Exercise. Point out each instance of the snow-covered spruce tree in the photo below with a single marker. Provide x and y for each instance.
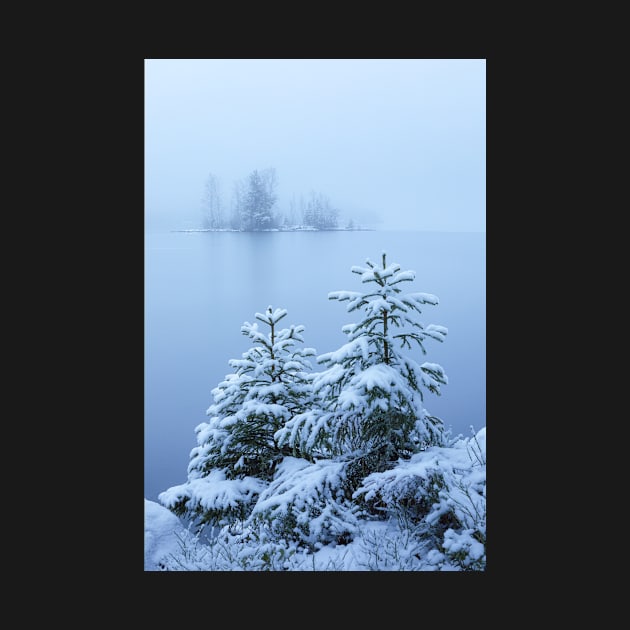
(237, 453)
(370, 399)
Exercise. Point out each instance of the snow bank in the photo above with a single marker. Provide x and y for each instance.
(160, 539)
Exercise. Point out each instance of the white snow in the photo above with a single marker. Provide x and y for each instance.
(214, 492)
(379, 375)
(424, 298)
(403, 276)
(161, 531)
(355, 348)
(271, 318)
(344, 295)
(381, 545)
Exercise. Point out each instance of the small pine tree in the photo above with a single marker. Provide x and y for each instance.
(267, 389)
(370, 396)
(270, 384)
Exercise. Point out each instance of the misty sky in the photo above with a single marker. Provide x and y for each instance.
(402, 141)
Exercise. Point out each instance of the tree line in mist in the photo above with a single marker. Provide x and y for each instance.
(253, 206)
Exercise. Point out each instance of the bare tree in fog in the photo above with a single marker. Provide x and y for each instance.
(212, 205)
(292, 217)
(238, 201)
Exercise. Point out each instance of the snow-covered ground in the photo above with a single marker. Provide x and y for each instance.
(170, 547)
(161, 531)
(384, 545)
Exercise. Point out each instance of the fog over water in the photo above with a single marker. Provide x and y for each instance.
(398, 143)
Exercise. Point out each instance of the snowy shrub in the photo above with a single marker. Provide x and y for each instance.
(411, 489)
(306, 503)
(401, 493)
(400, 546)
(466, 548)
(256, 550)
(460, 514)
(461, 504)
(396, 548)
(227, 552)
(441, 495)
(192, 555)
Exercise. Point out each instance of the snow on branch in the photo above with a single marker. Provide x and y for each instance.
(436, 332)
(344, 295)
(423, 298)
(357, 347)
(270, 318)
(403, 276)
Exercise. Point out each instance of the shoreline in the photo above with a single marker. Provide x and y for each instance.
(296, 229)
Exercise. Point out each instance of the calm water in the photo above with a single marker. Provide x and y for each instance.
(200, 288)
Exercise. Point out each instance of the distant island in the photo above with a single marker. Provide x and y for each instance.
(284, 228)
(254, 208)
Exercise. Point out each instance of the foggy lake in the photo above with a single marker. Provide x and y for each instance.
(201, 286)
